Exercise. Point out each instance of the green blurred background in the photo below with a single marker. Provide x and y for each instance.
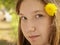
(9, 29)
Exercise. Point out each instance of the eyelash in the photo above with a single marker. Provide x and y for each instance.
(36, 16)
(23, 17)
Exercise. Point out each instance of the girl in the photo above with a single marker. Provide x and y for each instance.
(37, 24)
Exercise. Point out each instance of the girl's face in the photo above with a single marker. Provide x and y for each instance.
(35, 22)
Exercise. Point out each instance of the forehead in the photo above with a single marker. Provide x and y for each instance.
(30, 6)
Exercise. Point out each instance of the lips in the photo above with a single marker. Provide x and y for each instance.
(34, 36)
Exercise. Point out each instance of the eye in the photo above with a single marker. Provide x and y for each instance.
(38, 15)
(23, 18)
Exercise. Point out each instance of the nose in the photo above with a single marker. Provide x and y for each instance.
(31, 26)
(32, 29)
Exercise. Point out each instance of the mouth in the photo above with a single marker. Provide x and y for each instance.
(34, 36)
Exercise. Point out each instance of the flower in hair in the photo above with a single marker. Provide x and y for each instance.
(51, 9)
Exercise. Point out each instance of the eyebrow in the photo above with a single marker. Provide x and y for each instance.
(21, 14)
(36, 11)
(33, 12)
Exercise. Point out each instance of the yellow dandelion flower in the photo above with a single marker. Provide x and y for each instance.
(51, 9)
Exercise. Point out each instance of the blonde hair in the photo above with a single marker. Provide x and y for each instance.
(57, 22)
(56, 26)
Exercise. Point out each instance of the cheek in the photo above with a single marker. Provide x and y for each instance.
(43, 27)
(24, 28)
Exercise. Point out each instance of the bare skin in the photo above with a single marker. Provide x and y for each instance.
(35, 22)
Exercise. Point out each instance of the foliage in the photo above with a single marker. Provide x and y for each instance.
(8, 3)
(14, 24)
